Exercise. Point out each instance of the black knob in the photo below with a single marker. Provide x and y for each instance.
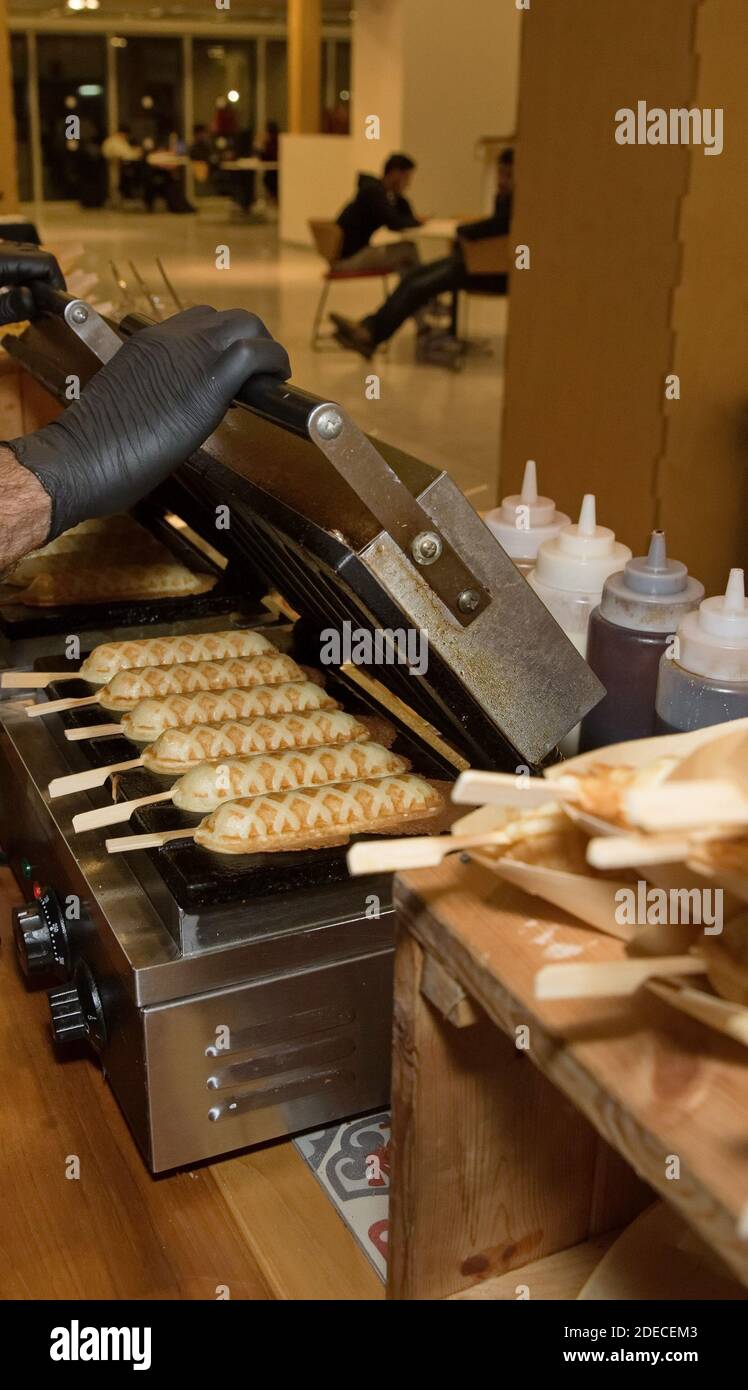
(41, 936)
(77, 1011)
(68, 1018)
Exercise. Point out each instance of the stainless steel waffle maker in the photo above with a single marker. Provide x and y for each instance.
(231, 1002)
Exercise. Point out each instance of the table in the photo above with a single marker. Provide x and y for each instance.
(245, 170)
(250, 164)
(164, 159)
(436, 229)
(514, 1165)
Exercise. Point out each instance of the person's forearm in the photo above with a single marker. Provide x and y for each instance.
(25, 511)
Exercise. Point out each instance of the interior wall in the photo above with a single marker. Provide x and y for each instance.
(438, 75)
(315, 182)
(378, 76)
(462, 72)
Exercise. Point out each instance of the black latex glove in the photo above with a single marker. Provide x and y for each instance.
(146, 411)
(20, 267)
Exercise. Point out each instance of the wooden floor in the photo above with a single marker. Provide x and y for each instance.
(256, 1226)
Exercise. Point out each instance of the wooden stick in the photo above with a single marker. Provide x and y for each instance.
(616, 977)
(687, 805)
(55, 706)
(123, 843)
(508, 789)
(95, 777)
(115, 814)
(629, 851)
(93, 731)
(411, 852)
(31, 680)
(722, 1014)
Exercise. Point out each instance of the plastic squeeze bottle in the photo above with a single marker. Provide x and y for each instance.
(706, 680)
(572, 568)
(524, 520)
(629, 631)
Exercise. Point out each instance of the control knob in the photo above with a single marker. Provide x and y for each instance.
(77, 1011)
(41, 936)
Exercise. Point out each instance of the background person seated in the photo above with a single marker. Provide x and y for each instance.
(379, 203)
(426, 282)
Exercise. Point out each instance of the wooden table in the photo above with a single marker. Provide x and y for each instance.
(257, 1224)
(520, 1125)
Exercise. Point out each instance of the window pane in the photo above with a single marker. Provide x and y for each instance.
(225, 87)
(19, 66)
(277, 82)
(72, 78)
(149, 79)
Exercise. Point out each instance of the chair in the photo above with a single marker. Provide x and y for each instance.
(484, 260)
(328, 238)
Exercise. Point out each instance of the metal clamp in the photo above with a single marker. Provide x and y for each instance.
(92, 329)
(402, 516)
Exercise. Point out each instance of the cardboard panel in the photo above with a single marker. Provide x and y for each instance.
(703, 476)
(590, 332)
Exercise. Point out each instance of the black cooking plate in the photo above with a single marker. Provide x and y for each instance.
(196, 877)
(232, 593)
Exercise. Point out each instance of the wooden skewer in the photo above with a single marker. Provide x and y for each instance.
(159, 837)
(595, 979)
(118, 812)
(56, 706)
(687, 805)
(722, 1014)
(31, 680)
(508, 789)
(92, 731)
(83, 781)
(629, 851)
(412, 852)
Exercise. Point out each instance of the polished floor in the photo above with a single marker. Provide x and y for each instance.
(452, 420)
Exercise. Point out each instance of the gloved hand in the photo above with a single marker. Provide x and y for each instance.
(20, 266)
(146, 411)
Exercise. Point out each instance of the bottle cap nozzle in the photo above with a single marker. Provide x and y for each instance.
(525, 519)
(529, 493)
(651, 593)
(714, 640)
(734, 599)
(587, 524)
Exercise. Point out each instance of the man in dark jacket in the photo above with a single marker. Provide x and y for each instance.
(379, 203)
(427, 282)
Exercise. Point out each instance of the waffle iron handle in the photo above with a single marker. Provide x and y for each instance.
(347, 448)
(266, 396)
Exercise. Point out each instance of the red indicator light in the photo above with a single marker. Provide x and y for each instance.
(37, 890)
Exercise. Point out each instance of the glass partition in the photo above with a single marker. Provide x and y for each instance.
(72, 82)
(19, 69)
(149, 85)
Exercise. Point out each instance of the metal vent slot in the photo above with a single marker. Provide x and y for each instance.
(310, 1085)
(282, 1029)
(287, 1059)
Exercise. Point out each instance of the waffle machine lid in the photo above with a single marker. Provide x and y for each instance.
(357, 535)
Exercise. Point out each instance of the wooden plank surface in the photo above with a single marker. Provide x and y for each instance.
(658, 1086)
(300, 1243)
(559, 1276)
(115, 1231)
(492, 1168)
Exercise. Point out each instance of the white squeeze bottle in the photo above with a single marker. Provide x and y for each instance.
(706, 681)
(571, 569)
(524, 521)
